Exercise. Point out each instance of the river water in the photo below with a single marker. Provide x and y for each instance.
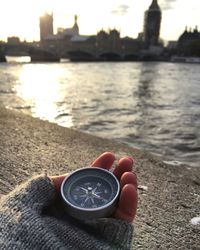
(151, 106)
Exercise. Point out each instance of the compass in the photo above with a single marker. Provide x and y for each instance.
(90, 193)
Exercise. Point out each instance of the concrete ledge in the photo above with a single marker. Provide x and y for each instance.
(29, 146)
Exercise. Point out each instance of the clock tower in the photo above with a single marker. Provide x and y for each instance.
(152, 21)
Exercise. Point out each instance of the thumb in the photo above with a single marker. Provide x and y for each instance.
(57, 182)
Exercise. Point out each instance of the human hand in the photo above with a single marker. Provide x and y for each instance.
(127, 204)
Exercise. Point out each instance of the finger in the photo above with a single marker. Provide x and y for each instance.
(128, 178)
(125, 165)
(105, 160)
(57, 181)
(127, 205)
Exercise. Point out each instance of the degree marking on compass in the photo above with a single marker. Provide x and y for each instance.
(75, 197)
(105, 191)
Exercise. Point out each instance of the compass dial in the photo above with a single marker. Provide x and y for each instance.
(90, 193)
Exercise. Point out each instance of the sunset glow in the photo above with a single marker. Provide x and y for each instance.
(21, 17)
(34, 90)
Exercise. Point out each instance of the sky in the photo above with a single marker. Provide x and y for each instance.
(21, 17)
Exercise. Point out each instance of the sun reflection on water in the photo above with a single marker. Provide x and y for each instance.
(154, 106)
(39, 87)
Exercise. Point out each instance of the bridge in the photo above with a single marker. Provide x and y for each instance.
(74, 53)
(20, 49)
(102, 55)
(36, 52)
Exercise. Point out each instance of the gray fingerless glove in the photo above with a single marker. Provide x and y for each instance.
(31, 218)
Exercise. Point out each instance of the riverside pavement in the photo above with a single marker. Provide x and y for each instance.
(169, 196)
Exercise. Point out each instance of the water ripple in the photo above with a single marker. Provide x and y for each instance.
(151, 106)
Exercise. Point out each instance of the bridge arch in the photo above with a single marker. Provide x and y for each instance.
(79, 55)
(110, 56)
(131, 57)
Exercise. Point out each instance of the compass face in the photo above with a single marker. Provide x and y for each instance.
(90, 192)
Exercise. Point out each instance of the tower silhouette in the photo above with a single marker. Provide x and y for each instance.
(46, 25)
(152, 21)
(75, 27)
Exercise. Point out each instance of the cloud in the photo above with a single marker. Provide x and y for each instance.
(120, 10)
(167, 4)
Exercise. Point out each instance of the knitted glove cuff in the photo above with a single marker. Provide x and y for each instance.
(35, 194)
(118, 232)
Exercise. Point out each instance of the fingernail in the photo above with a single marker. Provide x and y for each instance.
(131, 159)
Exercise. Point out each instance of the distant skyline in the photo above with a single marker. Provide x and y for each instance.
(21, 17)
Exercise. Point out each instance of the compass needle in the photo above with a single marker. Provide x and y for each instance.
(98, 193)
(84, 189)
(87, 198)
(98, 197)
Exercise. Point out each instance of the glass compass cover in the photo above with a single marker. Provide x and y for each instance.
(93, 191)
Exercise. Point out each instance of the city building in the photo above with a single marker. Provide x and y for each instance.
(108, 40)
(189, 36)
(152, 22)
(13, 40)
(73, 31)
(46, 26)
(189, 43)
(69, 40)
(63, 40)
